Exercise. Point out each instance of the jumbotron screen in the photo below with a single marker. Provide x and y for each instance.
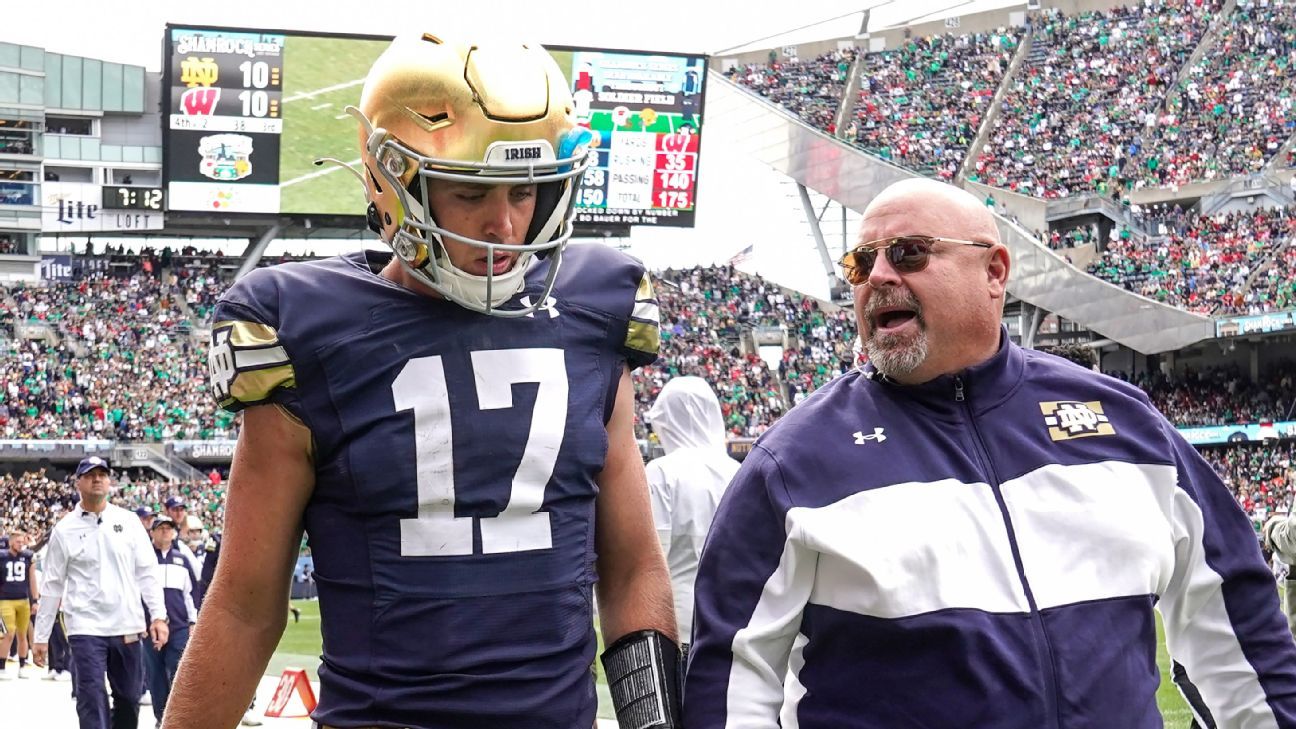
(249, 111)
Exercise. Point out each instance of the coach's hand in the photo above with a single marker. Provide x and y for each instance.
(40, 652)
(159, 632)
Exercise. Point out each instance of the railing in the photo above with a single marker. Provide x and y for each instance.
(996, 104)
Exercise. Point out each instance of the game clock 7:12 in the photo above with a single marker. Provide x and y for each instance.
(116, 197)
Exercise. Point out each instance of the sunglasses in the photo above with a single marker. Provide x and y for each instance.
(905, 253)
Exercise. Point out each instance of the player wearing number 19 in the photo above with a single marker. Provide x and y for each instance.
(451, 425)
(17, 593)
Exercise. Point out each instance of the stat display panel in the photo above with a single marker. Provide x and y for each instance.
(249, 111)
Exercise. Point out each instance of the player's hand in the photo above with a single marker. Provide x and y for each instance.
(159, 632)
(40, 652)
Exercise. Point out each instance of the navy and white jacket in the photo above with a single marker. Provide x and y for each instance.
(984, 550)
(178, 578)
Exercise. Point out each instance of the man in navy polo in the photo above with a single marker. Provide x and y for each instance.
(101, 565)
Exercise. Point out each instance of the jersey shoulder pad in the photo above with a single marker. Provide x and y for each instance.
(248, 362)
(603, 278)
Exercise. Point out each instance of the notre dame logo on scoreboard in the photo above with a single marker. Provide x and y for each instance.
(1067, 419)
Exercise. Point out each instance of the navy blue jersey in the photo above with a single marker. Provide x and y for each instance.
(452, 521)
(15, 584)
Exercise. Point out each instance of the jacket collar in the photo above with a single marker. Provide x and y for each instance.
(982, 385)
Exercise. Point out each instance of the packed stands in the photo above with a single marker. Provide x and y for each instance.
(1089, 81)
(1233, 109)
(1203, 263)
(118, 361)
(1222, 396)
(920, 105)
(704, 314)
(1261, 476)
(32, 501)
(810, 89)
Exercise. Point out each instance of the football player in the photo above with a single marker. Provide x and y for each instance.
(452, 425)
(18, 592)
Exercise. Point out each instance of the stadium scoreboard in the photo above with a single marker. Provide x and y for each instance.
(645, 110)
(248, 111)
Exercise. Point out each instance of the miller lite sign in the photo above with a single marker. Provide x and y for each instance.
(73, 207)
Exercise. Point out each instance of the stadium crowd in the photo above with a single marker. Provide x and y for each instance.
(115, 360)
(920, 105)
(1261, 476)
(810, 89)
(1222, 395)
(1203, 263)
(1089, 81)
(1234, 107)
(32, 501)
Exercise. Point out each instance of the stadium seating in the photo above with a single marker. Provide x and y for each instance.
(810, 89)
(920, 105)
(1222, 396)
(1233, 109)
(1261, 476)
(1202, 263)
(1089, 81)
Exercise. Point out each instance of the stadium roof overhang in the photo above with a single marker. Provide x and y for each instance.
(850, 177)
(215, 225)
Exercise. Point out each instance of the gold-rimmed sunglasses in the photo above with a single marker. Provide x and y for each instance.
(905, 253)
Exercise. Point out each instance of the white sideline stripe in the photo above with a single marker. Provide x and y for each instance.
(325, 105)
(326, 170)
(260, 357)
(312, 94)
(342, 116)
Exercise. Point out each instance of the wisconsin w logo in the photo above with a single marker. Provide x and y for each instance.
(200, 101)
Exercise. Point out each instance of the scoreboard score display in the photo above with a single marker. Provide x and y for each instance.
(248, 111)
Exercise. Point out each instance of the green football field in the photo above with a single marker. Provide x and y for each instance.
(322, 76)
(300, 648)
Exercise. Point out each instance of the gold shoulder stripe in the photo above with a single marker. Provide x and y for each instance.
(247, 363)
(643, 337)
(249, 334)
(645, 292)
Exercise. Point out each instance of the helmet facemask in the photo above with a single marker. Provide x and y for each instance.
(418, 239)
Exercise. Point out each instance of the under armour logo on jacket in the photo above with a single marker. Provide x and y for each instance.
(861, 439)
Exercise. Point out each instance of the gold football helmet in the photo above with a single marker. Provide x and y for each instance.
(496, 114)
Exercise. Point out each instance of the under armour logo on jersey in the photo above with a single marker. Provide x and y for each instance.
(861, 439)
(550, 305)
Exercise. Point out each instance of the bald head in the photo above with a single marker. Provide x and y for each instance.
(921, 206)
(936, 309)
